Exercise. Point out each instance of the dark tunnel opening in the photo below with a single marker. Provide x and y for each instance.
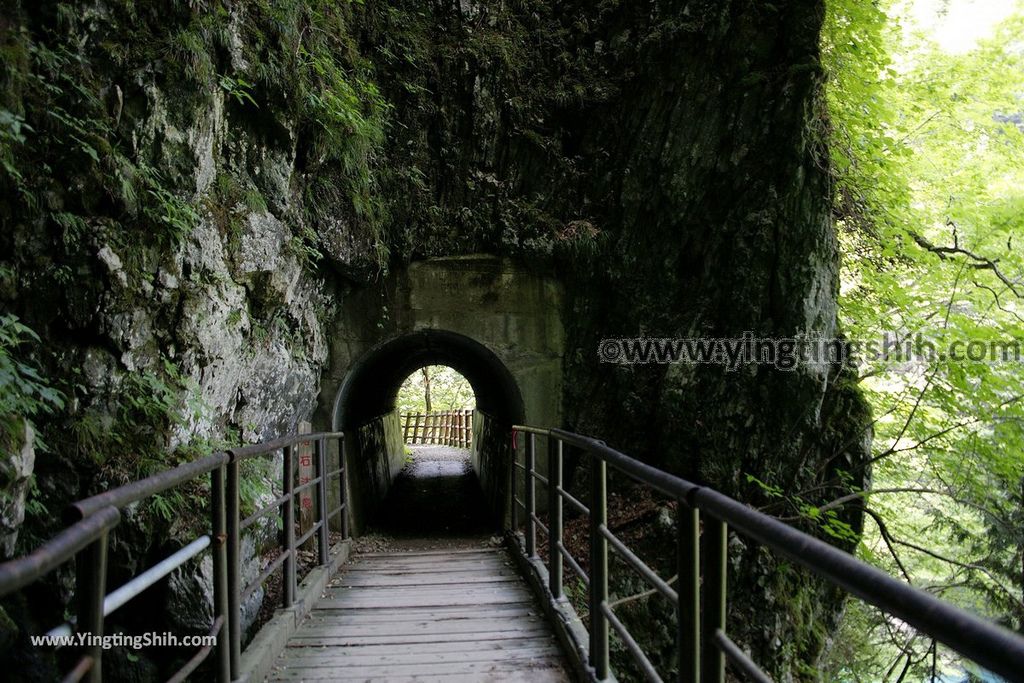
(440, 494)
(371, 388)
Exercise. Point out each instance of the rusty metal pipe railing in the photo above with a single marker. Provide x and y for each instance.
(90, 521)
(144, 488)
(18, 573)
(704, 520)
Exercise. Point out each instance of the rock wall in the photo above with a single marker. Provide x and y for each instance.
(159, 234)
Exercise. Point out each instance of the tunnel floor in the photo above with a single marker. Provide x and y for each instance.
(436, 494)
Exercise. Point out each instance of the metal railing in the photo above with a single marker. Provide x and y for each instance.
(444, 428)
(90, 521)
(704, 521)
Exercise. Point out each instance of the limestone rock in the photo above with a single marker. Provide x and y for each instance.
(16, 467)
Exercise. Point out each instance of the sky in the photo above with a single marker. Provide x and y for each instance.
(957, 25)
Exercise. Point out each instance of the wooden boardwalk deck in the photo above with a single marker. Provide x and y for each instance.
(458, 615)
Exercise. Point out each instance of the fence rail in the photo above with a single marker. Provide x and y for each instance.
(90, 521)
(704, 521)
(443, 428)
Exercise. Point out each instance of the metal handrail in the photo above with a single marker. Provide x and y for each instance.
(85, 540)
(704, 647)
(20, 572)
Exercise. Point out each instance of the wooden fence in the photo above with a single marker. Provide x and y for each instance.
(444, 428)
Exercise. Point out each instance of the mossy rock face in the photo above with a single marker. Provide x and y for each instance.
(8, 630)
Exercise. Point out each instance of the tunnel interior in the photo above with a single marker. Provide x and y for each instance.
(436, 497)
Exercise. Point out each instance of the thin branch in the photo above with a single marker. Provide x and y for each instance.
(965, 565)
(975, 261)
(887, 537)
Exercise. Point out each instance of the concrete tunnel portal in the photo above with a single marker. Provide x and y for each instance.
(492, 321)
(366, 410)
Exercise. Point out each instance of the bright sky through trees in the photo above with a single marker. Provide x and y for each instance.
(440, 386)
(955, 25)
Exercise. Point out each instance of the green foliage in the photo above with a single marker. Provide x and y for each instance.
(930, 204)
(177, 217)
(64, 131)
(239, 89)
(448, 390)
(25, 394)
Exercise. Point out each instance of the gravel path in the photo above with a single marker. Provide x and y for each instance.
(446, 453)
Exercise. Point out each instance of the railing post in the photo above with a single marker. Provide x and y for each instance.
(688, 609)
(343, 485)
(530, 493)
(288, 583)
(319, 463)
(234, 619)
(90, 590)
(513, 455)
(598, 567)
(554, 517)
(218, 523)
(715, 547)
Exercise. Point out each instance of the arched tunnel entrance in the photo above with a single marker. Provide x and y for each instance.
(443, 496)
(497, 322)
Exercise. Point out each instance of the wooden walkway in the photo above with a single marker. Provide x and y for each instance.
(454, 615)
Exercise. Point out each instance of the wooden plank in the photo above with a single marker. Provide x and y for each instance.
(369, 616)
(426, 648)
(439, 552)
(428, 583)
(411, 628)
(432, 598)
(398, 572)
(392, 592)
(299, 640)
(488, 558)
(317, 658)
(538, 676)
(433, 568)
(436, 559)
(546, 667)
(455, 565)
(453, 574)
(424, 601)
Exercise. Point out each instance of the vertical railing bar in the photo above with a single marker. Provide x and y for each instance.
(90, 590)
(218, 524)
(288, 590)
(319, 463)
(715, 547)
(530, 493)
(513, 456)
(554, 516)
(688, 608)
(343, 486)
(234, 570)
(598, 567)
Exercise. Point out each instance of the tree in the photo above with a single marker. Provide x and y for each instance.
(930, 202)
(426, 388)
(435, 387)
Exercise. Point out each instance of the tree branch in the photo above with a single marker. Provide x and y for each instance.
(976, 261)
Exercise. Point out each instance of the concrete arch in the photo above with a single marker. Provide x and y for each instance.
(497, 322)
(371, 387)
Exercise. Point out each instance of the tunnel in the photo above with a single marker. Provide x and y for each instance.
(365, 409)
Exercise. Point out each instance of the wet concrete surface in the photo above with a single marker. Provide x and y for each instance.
(437, 494)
